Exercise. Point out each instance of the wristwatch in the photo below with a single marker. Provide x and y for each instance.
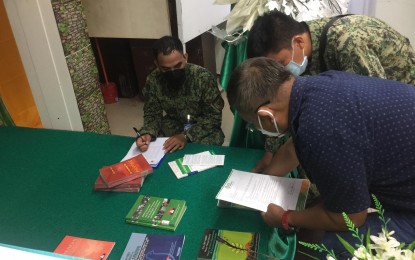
(284, 222)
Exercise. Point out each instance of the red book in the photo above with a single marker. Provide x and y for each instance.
(129, 186)
(124, 171)
(84, 247)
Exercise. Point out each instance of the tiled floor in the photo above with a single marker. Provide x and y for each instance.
(128, 113)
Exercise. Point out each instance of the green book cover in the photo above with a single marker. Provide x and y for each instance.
(156, 212)
(219, 244)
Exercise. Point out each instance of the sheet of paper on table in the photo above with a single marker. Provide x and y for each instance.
(203, 159)
(153, 155)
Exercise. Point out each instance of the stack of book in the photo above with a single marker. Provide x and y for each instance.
(125, 176)
(156, 212)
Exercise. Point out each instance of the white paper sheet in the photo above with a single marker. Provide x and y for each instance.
(203, 159)
(257, 191)
(153, 155)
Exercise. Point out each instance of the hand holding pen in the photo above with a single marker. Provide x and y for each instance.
(142, 141)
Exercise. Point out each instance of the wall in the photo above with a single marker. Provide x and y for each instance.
(127, 18)
(14, 86)
(400, 14)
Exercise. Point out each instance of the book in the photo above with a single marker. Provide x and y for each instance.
(130, 186)
(180, 170)
(124, 171)
(227, 204)
(257, 191)
(154, 154)
(156, 212)
(18, 252)
(84, 247)
(151, 246)
(218, 244)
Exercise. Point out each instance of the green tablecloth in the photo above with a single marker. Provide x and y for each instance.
(47, 178)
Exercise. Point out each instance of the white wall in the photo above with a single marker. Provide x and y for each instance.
(146, 19)
(400, 14)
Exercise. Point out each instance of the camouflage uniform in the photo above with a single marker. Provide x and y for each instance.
(360, 45)
(166, 110)
(363, 45)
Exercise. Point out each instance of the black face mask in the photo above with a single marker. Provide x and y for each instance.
(175, 78)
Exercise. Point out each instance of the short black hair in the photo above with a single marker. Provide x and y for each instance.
(272, 32)
(166, 45)
(254, 82)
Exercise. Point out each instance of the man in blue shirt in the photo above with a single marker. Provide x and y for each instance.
(354, 136)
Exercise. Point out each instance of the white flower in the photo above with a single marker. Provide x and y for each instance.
(385, 242)
(361, 253)
(330, 258)
(408, 254)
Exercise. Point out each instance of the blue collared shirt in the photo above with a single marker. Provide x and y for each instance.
(355, 136)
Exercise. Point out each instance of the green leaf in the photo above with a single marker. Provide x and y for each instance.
(310, 256)
(368, 242)
(346, 244)
(411, 246)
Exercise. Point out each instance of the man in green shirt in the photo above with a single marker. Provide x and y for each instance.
(182, 101)
(354, 43)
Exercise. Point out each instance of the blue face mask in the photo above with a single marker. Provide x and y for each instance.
(297, 69)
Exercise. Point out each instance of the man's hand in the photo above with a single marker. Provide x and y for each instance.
(175, 142)
(273, 215)
(263, 163)
(143, 142)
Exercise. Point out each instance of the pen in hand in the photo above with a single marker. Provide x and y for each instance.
(140, 136)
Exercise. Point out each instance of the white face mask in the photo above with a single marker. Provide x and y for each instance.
(265, 132)
(297, 69)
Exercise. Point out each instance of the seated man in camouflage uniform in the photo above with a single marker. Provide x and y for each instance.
(174, 93)
(354, 43)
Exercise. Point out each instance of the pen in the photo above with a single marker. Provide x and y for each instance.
(138, 134)
(193, 173)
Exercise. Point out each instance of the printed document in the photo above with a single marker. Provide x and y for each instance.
(257, 191)
(203, 159)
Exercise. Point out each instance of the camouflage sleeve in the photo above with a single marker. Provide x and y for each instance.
(153, 112)
(272, 144)
(208, 125)
(355, 56)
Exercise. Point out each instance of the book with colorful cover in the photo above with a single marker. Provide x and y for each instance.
(84, 247)
(153, 246)
(124, 171)
(182, 171)
(156, 212)
(130, 186)
(219, 244)
(18, 252)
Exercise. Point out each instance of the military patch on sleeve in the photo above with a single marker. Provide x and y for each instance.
(218, 103)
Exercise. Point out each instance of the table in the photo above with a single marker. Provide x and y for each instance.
(47, 179)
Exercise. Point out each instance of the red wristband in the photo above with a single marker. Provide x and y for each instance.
(284, 220)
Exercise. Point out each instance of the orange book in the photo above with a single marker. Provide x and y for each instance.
(124, 171)
(84, 247)
(129, 186)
